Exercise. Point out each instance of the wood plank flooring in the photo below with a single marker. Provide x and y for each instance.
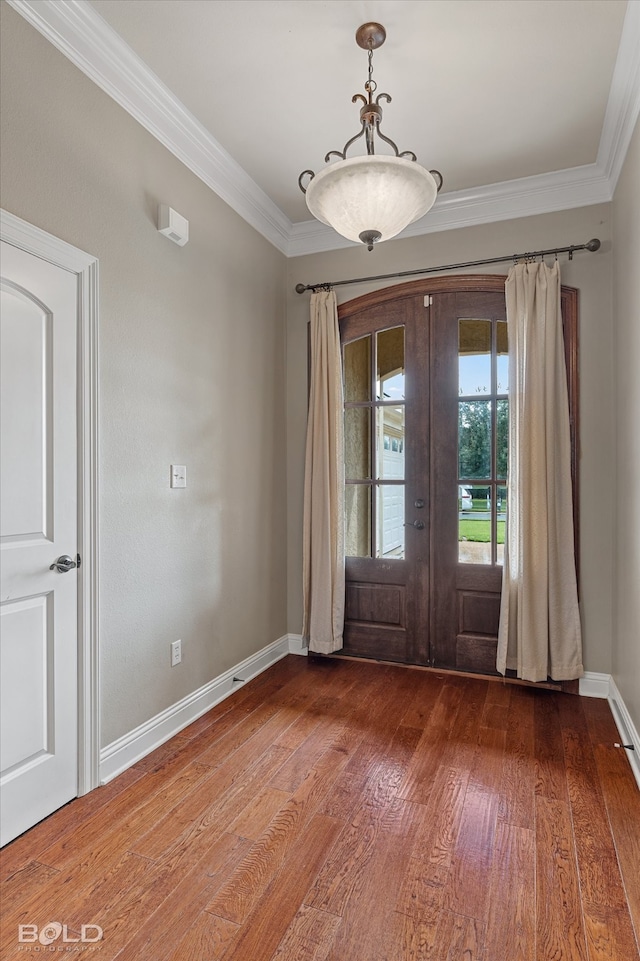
(341, 810)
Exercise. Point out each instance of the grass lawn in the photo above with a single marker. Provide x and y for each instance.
(479, 531)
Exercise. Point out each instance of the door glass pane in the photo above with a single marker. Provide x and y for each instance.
(501, 506)
(390, 533)
(357, 443)
(390, 442)
(474, 524)
(357, 520)
(503, 358)
(474, 357)
(502, 438)
(390, 364)
(357, 370)
(474, 439)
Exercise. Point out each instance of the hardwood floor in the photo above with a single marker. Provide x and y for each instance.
(336, 810)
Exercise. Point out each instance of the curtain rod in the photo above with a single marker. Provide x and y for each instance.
(591, 245)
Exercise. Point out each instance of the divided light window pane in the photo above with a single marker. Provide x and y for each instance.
(474, 525)
(502, 361)
(390, 533)
(474, 439)
(390, 364)
(474, 357)
(390, 442)
(502, 438)
(357, 370)
(357, 443)
(501, 507)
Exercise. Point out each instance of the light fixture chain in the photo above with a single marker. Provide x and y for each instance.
(370, 86)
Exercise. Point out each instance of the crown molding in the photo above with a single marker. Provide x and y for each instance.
(75, 28)
(623, 105)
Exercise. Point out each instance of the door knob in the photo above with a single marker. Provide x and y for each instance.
(419, 525)
(63, 564)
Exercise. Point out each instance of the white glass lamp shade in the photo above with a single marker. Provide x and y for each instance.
(372, 193)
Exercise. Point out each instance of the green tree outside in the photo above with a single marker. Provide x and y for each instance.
(474, 438)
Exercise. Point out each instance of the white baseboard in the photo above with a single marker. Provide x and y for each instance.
(626, 728)
(297, 645)
(603, 685)
(121, 754)
(594, 685)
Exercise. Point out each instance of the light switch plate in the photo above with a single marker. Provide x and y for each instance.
(178, 475)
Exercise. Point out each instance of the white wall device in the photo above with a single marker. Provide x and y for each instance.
(173, 225)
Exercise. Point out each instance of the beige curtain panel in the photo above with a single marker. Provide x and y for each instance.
(539, 634)
(323, 538)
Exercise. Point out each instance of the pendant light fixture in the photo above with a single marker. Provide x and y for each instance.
(370, 198)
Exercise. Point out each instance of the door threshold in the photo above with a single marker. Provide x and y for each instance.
(566, 687)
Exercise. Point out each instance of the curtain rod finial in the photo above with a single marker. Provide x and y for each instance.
(300, 288)
(593, 245)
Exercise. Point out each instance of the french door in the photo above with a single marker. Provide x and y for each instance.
(426, 434)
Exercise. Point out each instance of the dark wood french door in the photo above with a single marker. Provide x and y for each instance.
(469, 421)
(426, 434)
(386, 376)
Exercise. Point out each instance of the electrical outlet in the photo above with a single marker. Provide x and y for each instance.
(176, 653)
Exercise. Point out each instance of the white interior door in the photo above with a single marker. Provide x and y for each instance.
(38, 524)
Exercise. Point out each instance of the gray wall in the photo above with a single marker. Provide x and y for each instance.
(192, 355)
(592, 275)
(626, 337)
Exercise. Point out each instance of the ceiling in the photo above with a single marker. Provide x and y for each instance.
(524, 106)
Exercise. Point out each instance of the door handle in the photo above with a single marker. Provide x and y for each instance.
(419, 525)
(63, 564)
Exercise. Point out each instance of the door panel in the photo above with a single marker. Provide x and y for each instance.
(26, 377)
(26, 652)
(478, 611)
(38, 611)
